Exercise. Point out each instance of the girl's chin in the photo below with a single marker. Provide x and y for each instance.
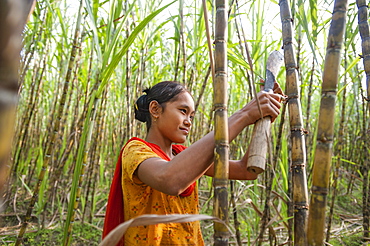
(180, 140)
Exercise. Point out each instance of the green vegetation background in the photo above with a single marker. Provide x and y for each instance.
(82, 71)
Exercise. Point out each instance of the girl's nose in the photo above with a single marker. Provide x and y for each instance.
(187, 122)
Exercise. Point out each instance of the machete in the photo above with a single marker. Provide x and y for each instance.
(261, 132)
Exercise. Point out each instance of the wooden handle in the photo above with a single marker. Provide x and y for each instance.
(261, 132)
(259, 146)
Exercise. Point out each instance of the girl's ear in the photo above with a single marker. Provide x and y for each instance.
(155, 109)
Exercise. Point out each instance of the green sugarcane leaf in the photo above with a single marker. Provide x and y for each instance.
(107, 73)
(237, 59)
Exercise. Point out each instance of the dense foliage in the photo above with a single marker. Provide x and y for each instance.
(83, 66)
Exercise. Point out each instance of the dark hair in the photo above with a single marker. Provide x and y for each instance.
(162, 92)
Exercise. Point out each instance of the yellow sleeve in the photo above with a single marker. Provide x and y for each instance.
(133, 155)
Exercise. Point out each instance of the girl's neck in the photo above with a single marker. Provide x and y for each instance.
(165, 146)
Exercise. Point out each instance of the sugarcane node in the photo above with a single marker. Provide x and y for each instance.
(222, 145)
(261, 132)
(301, 205)
(292, 97)
(297, 167)
(219, 41)
(287, 43)
(283, 99)
(219, 107)
(319, 190)
(324, 139)
(302, 130)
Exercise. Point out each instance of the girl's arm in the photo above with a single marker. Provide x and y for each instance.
(237, 169)
(175, 176)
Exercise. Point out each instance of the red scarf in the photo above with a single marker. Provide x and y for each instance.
(115, 213)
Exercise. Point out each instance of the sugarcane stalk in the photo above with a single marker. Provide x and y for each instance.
(277, 156)
(340, 146)
(309, 95)
(182, 42)
(221, 159)
(363, 24)
(210, 50)
(87, 125)
(366, 179)
(80, 167)
(266, 215)
(21, 136)
(365, 39)
(323, 153)
(203, 88)
(297, 139)
(95, 156)
(89, 122)
(54, 135)
(178, 49)
(235, 213)
(128, 80)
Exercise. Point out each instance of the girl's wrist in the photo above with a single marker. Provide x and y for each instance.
(246, 116)
(239, 120)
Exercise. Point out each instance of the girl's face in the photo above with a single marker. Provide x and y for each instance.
(176, 117)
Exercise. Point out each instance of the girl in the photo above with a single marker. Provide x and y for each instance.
(156, 176)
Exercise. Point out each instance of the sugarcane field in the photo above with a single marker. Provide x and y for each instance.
(258, 135)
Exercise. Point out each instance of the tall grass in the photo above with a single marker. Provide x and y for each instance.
(126, 46)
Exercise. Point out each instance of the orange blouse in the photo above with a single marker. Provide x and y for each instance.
(140, 199)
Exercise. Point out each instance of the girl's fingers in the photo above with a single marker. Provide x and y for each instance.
(275, 112)
(277, 89)
(270, 104)
(276, 99)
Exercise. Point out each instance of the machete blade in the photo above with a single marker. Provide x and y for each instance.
(274, 62)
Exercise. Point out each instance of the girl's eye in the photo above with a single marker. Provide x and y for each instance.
(183, 110)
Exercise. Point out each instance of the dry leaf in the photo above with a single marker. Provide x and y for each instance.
(150, 219)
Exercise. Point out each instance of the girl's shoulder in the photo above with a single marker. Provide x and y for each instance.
(136, 146)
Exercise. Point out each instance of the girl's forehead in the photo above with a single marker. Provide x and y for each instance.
(184, 98)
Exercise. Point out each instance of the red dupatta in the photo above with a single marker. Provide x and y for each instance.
(115, 213)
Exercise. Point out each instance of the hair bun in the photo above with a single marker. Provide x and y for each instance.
(142, 108)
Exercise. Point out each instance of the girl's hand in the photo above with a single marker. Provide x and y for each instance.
(269, 105)
(277, 89)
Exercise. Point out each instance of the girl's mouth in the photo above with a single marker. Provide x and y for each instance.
(185, 130)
